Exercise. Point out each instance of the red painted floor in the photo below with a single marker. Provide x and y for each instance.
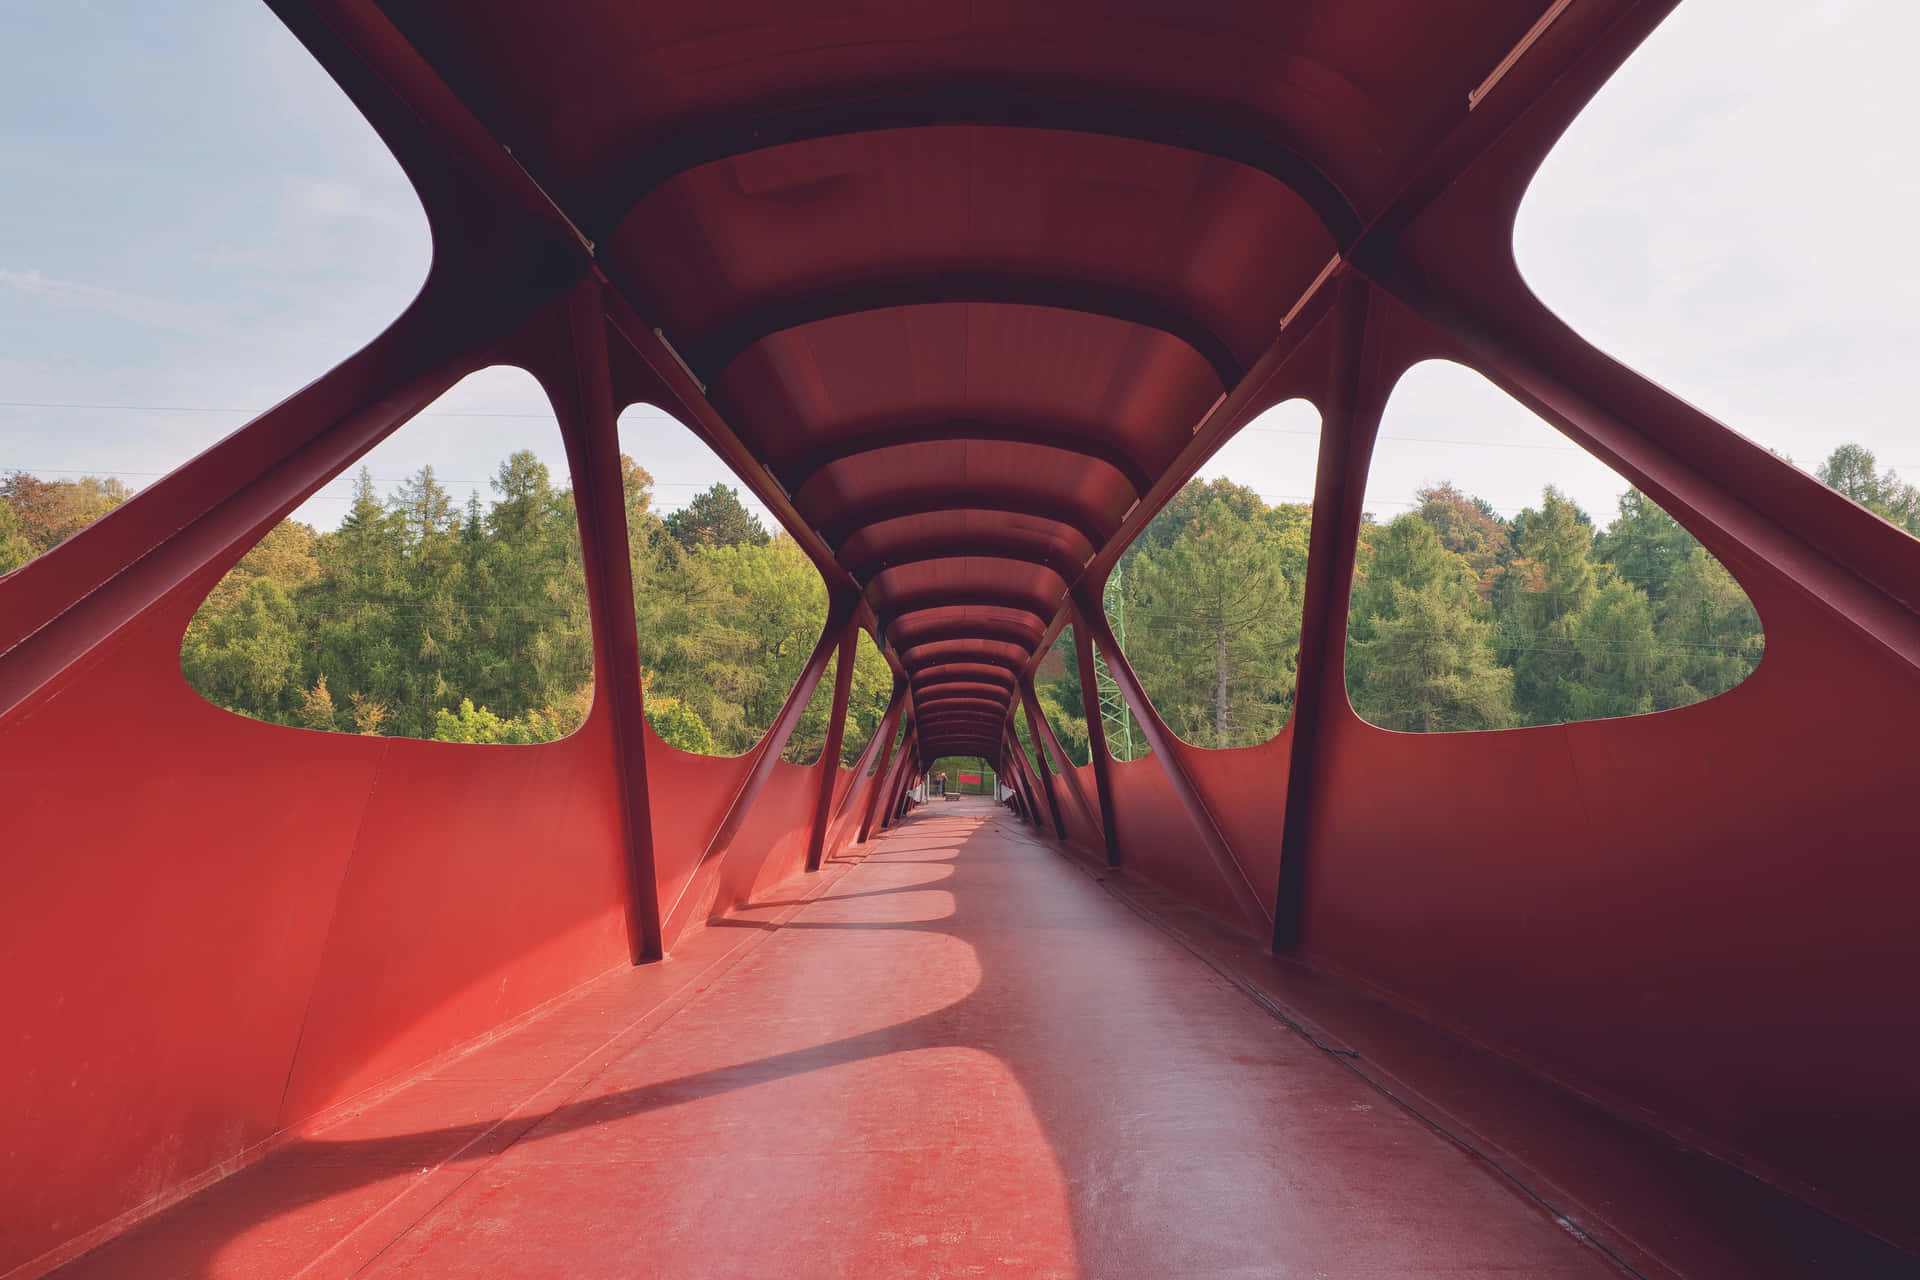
(963, 1059)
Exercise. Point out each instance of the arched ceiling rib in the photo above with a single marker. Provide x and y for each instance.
(1066, 439)
(629, 181)
(963, 283)
(923, 497)
(713, 352)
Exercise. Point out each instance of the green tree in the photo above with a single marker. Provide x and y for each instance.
(1709, 626)
(15, 549)
(1405, 553)
(1554, 579)
(1428, 666)
(678, 726)
(1644, 544)
(316, 707)
(729, 630)
(1622, 669)
(248, 657)
(1850, 470)
(866, 700)
(716, 518)
(809, 736)
(1468, 528)
(1214, 630)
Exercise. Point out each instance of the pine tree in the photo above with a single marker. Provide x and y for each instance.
(316, 707)
(1557, 579)
(716, 518)
(1850, 469)
(1429, 666)
(247, 657)
(1406, 553)
(1709, 627)
(1622, 669)
(1213, 630)
(1644, 544)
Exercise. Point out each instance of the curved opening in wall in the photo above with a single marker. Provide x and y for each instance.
(809, 737)
(435, 591)
(1687, 225)
(727, 605)
(1056, 684)
(892, 751)
(271, 236)
(1206, 602)
(1506, 577)
(866, 700)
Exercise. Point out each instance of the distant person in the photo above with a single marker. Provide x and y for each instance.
(940, 784)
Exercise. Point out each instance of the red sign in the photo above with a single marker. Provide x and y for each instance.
(969, 777)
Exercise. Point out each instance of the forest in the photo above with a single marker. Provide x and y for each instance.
(1459, 619)
(417, 617)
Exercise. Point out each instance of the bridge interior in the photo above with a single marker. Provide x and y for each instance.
(964, 293)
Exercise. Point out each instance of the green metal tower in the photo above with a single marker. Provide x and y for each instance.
(1113, 706)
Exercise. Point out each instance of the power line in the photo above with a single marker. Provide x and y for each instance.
(247, 413)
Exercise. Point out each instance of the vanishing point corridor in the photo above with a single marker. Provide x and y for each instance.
(961, 1057)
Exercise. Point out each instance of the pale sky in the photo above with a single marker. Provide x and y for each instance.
(198, 223)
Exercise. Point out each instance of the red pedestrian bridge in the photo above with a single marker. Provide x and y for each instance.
(964, 292)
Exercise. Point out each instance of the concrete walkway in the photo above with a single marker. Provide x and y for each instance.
(963, 1059)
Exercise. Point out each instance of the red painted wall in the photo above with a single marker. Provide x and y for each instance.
(1702, 917)
(253, 922)
(1244, 788)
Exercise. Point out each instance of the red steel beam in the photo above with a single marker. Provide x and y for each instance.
(601, 506)
(1350, 415)
(882, 776)
(866, 770)
(829, 765)
(768, 752)
(905, 770)
(1096, 733)
(1040, 762)
(902, 762)
(1212, 839)
(1023, 772)
(1048, 744)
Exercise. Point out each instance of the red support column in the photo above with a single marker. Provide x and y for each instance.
(768, 752)
(1023, 782)
(1040, 762)
(866, 771)
(829, 765)
(1212, 839)
(902, 775)
(1096, 732)
(1346, 441)
(592, 429)
(1025, 769)
(1046, 744)
(882, 779)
